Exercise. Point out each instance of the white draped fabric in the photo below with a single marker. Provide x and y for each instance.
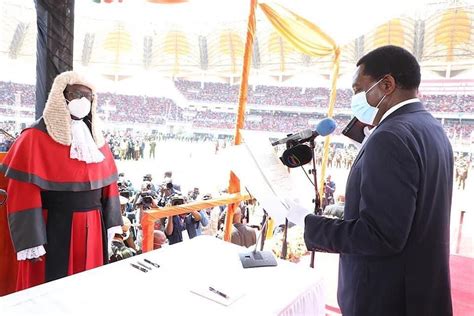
(118, 288)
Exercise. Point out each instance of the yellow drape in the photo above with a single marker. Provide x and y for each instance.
(311, 40)
(234, 183)
(301, 33)
(332, 102)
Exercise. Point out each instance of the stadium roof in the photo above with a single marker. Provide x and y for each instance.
(206, 38)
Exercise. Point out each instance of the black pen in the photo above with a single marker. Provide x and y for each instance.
(144, 265)
(152, 263)
(138, 267)
(218, 292)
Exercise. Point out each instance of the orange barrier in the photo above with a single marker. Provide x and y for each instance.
(150, 216)
(8, 262)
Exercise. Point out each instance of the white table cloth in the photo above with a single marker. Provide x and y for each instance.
(120, 289)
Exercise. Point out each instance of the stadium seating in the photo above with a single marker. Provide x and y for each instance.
(157, 110)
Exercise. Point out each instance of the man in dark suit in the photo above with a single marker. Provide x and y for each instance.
(394, 238)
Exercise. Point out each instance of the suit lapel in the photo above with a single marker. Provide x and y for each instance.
(408, 108)
(361, 152)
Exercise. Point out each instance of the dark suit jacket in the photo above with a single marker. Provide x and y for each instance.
(394, 239)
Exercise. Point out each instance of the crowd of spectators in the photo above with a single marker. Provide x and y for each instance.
(304, 97)
(115, 107)
(143, 109)
(274, 121)
(10, 92)
(449, 103)
(262, 94)
(456, 129)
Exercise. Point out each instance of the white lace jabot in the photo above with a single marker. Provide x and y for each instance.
(83, 146)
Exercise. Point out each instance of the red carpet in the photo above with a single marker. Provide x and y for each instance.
(462, 285)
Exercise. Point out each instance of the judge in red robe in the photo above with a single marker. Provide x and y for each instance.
(63, 202)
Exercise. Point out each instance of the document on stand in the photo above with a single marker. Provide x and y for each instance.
(257, 166)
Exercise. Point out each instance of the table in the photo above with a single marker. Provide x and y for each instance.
(120, 289)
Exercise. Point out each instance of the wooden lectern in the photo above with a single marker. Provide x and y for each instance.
(8, 262)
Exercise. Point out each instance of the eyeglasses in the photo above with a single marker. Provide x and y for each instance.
(72, 95)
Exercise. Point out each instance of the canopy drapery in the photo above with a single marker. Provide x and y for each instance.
(305, 37)
(309, 39)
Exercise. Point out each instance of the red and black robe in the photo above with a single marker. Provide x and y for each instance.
(64, 204)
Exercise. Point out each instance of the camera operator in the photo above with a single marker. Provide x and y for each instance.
(167, 190)
(148, 179)
(195, 221)
(123, 246)
(194, 194)
(124, 190)
(126, 182)
(145, 200)
(168, 178)
(148, 197)
(175, 225)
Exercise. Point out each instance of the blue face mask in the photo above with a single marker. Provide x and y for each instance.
(362, 109)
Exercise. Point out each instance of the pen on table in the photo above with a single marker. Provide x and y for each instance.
(144, 265)
(218, 292)
(152, 263)
(138, 267)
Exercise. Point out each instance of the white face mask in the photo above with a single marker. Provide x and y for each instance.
(79, 107)
(362, 109)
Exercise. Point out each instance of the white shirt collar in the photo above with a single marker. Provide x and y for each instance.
(397, 106)
(390, 111)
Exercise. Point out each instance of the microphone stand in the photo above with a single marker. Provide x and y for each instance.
(316, 201)
(264, 230)
(284, 245)
(255, 258)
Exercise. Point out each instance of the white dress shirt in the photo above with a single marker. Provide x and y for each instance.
(390, 111)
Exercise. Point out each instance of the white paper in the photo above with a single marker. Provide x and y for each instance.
(271, 166)
(296, 212)
(256, 165)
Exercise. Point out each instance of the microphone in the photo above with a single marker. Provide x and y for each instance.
(325, 127)
(296, 156)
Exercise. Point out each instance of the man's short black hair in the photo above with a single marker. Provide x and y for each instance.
(393, 60)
